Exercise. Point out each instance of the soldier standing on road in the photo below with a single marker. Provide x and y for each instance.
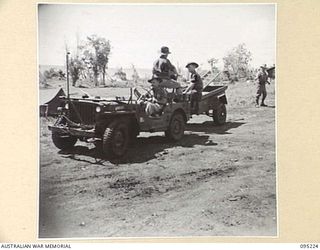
(164, 70)
(195, 86)
(262, 79)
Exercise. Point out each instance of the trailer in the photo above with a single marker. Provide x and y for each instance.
(213, 103)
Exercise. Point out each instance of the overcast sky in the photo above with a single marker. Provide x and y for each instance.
(136, 32)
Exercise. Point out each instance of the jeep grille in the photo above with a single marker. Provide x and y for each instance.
(85, 110)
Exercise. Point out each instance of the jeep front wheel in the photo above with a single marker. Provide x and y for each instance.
(63, 141)
(116, 139)
(176, 127)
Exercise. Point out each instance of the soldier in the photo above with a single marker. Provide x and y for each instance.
(262, 79)
(156, 103)
(164, 70)
(195, 86)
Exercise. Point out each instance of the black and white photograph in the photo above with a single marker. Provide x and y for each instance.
(157, 120)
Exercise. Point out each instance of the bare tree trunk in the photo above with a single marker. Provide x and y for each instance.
(104, 75)
(95, 74)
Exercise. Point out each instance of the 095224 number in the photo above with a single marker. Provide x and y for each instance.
(309, 246)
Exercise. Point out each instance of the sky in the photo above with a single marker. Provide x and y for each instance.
(193, 32)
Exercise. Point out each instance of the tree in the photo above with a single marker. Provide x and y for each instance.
(135, 75)
(51, 73)
(91, 64)
(75, 66)
(121, 74)
(95, 56)
(236, 62)
(213, 61)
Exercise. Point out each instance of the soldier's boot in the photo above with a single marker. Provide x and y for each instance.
(257, 101)
(262, 102)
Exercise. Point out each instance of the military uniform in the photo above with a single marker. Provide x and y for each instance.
(163, 69)
(262, 79)
(196, 91)
(158, 101)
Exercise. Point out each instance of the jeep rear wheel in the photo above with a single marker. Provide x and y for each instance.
(63, 141)
(220, 114)
(176, 127)
(116, 139)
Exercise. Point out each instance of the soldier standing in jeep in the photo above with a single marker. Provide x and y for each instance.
(164, 70)
(195, 87)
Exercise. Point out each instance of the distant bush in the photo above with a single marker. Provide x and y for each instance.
(53, 73)
(42, 79)
(236, 62)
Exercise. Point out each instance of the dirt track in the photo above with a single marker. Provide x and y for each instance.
(215, 181)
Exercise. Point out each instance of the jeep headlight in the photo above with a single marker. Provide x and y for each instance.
(98, 109)
(66, 106)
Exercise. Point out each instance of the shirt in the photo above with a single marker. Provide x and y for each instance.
(160, 94)
(196, 79)
(262, 77)
(162, 68)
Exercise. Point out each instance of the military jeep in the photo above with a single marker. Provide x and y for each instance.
(113, 123)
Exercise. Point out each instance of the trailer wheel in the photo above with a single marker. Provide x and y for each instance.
(220, 114)
(116, 139)
(176, 127)
(63, 141)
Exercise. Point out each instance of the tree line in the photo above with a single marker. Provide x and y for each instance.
(91, 62)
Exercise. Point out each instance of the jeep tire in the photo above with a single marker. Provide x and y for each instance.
(220, 114)
(116, 139)
(176, 127)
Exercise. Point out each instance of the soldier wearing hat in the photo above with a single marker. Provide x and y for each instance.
(262, 79)
(164, 70)
(156, 102)
(195, 86)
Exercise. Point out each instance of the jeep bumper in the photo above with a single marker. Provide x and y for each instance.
(78, 132)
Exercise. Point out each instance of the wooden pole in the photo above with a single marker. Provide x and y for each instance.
(67, 60)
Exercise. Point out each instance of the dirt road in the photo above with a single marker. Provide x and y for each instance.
(218, 180)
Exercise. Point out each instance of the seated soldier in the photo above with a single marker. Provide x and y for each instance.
(156, 103)
(195, 87)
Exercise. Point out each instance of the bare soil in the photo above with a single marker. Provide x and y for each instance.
(216, 181)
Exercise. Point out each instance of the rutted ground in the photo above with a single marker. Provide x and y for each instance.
(215, 181)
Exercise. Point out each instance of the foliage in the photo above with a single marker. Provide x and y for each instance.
(42, 79)
(213, 61)
(135, 75)
(236, 62)
(95, 55)
(75, 66)
(121, 74)
(51, 73)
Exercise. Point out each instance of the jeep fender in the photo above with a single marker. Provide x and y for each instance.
(180, 110)
(104, 121)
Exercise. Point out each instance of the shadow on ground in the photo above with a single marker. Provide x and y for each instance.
(210, 128)
(142, 150)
